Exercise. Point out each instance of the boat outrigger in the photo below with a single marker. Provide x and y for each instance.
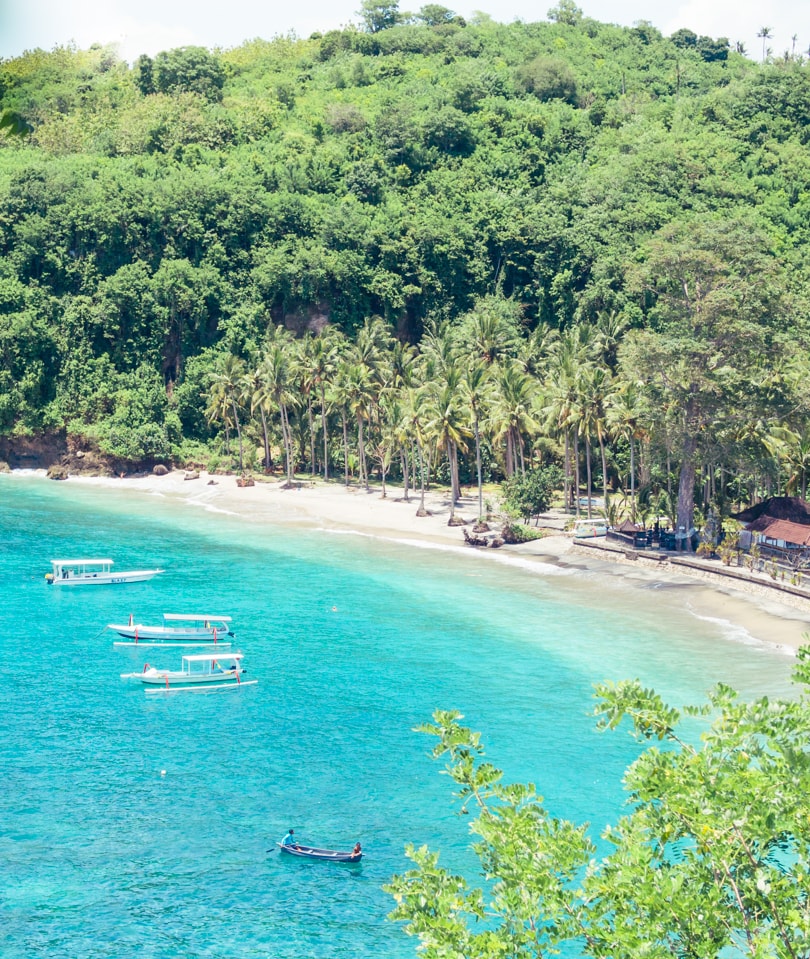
(94, 572)
(178, 629)
(199, 673)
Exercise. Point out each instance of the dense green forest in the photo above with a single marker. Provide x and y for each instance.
(461, 250)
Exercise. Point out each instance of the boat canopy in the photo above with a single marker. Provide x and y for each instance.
(194, 618)
(81, 562)
(212, 657)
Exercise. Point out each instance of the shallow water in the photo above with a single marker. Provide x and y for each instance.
(140, 825)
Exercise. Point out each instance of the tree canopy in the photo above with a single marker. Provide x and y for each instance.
(710, 859)
(420, 168)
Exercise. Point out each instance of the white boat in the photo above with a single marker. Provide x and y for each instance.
(94, 572)
(590, 528)
(178, 629)
(199, 672)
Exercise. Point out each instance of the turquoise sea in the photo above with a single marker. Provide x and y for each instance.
(145, 826)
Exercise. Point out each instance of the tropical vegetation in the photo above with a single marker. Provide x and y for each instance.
(710, 859)
(419, 249)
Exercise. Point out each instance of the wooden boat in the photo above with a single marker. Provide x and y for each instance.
(310, 852)
(94, 572)
(200, 672)
(177, 629)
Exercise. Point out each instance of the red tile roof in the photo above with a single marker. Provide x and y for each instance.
(795, 533)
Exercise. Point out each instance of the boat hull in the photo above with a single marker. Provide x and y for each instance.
(154, 677)
(107, 579)
(325, 855)
(168, 634)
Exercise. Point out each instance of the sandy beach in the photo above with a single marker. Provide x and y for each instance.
(758, 614)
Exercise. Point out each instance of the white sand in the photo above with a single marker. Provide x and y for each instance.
(761, 614)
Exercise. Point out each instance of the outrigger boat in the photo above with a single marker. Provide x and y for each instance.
(199, 673)
(310, 852)
(94, 572)
(178, 629)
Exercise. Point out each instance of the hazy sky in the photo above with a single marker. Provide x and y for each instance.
(147, 26)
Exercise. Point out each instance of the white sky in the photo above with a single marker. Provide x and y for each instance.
(148, 26)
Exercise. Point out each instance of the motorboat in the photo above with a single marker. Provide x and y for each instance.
(310, 852)
(199, 672)
(94, 572)
(590, 528)
(177, 629)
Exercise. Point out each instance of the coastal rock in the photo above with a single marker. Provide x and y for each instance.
(160, 470)
(192, 476)
(57, 473)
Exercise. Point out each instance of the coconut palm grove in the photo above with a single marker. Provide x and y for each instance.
(419, 248)
(565, 256)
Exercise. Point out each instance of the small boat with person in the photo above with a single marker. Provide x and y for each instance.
(94, 572)
(199, 672)
(177, 629)
(291, 847)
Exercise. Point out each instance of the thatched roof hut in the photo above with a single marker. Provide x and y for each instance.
(789, 508)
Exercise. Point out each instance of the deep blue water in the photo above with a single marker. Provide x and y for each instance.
(134, 825)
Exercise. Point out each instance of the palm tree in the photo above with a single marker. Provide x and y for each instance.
(475, 388)
(253, 393)
(765, 33)
(276, 374)
(512, 413)
(358, 392)
(446, 426)
(307, 382)
(226, 388)
(414, 414)
(624, 417)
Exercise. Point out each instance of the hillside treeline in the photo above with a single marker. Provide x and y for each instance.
(623, 214)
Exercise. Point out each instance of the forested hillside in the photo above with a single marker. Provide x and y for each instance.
(610, 224)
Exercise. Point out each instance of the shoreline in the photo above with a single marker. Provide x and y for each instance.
(754, 612)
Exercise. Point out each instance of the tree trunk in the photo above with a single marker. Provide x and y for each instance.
(406, 473)
(239, 432)
(325, 437)
(345, 447)
(421, 511)
(632, 483)
(604, 469)
(686, 482)
(452, 458)
(267, 463)
(588, 469)
(455, 492)
(478, 469)
(567, 480)
(576, 471)
(361, 451)
(311, 422)
(287, 440)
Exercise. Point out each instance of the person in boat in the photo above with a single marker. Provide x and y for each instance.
(290, 840)
(358, 849)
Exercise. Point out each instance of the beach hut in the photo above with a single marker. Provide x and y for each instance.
(783, 539)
